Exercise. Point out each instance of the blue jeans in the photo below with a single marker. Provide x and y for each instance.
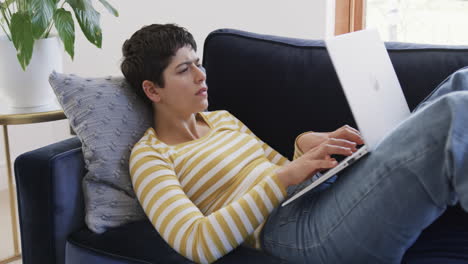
(376, 209)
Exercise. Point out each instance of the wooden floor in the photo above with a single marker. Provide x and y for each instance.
(6, 238)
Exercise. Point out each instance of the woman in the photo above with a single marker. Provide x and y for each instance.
(208, 184)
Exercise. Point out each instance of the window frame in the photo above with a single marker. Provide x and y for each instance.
(349, 16)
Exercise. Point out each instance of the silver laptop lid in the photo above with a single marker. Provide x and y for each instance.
(369, 83)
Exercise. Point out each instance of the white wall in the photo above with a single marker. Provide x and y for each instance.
(295, 18)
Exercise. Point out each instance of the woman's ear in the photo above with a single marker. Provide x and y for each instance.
(150, 90)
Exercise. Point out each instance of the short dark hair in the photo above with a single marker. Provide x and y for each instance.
(149, 51)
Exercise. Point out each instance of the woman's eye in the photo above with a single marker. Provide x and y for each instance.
(184, 70)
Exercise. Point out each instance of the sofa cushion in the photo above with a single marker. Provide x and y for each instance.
(109, 119)
(444, 241)
(139, 241)
(79, 255)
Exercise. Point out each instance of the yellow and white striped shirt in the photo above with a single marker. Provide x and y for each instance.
(207, 196)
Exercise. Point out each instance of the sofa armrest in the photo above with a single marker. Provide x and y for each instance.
(50, 200)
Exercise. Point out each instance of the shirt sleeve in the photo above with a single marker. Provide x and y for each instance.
(271, 154)
(297, 150)
(198, 237)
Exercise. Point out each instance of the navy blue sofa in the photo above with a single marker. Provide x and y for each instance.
(279, 87)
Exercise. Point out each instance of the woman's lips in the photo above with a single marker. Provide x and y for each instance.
(202, 92)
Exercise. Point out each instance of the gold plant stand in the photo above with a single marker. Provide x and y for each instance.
(20, 116)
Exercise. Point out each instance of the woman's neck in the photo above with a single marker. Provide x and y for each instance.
(177, 128)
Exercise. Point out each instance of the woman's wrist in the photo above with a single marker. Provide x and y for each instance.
(309, 140)
(283, 177)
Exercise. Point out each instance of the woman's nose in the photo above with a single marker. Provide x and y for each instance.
(200, 73)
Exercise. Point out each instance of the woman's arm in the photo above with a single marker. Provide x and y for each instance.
(201, 238)
(309, 140)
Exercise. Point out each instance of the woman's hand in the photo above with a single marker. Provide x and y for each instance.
(315, 160)
(348, 133)
(311, 140)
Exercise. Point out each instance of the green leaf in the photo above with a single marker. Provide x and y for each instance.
(21, 34)
(42, 13)
(79, 4)
(65, 26)
(88, 19)
(109, 8)
(7, 3)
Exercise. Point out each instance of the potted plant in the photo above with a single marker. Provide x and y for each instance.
(27, 25)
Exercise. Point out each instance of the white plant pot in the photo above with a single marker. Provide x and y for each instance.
(29, 88)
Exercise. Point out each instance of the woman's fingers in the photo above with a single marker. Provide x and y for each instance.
(342, 143)
(329, 149)
(351, 128)
(348, 133)
(324, 164)
(332, 146)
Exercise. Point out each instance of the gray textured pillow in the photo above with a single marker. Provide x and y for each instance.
(108, 118)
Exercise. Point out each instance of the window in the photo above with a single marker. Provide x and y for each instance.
(420, 21)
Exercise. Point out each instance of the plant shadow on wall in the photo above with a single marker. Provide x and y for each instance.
(25, 21)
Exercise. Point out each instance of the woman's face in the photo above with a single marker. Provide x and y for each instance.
(185, 89)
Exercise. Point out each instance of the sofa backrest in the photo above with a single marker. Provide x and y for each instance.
(280, 87)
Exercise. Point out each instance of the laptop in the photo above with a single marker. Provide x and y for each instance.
(371, 88)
